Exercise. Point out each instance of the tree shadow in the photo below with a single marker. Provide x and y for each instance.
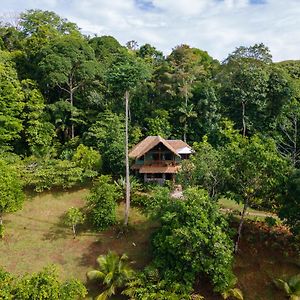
(58, 230)
(89, 258)
(56, 192)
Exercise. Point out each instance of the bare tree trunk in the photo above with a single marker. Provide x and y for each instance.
(1, 227)
(295, 158)
(74, 231)
(236, 247)
(243, 118)
(186, 95)
(185, 131)
(127, 204)
(72, 103)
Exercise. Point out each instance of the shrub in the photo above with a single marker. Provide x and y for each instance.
(11, 193)
(102, 202)
(74, 217)
(51, 173)
(148, 285)
(193, 239)
(87, 158)
(42, 285)
(270, 221)
(290, 209)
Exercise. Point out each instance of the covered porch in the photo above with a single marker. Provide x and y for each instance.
(158, 174)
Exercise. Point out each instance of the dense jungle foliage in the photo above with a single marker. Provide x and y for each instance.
(62, 123)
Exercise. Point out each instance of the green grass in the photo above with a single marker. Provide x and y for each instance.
(36, 237)
(229, 204)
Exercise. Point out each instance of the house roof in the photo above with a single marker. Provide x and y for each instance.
(148, 143)
(158, 169)
(180, 146)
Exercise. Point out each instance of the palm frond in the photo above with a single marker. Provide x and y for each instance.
(95, 275)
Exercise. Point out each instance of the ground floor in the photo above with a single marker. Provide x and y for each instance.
(159, 178)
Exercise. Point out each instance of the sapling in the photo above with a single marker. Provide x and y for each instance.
(74, 217)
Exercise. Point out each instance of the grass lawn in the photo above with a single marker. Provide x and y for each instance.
(229, 204)
(36, 237)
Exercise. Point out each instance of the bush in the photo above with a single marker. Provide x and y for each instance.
(140, 200)
(289, 212)
(11, 193)
(74, 217)
(270, 221)
(148, 285)
(102, 202)
(193, 239)
(52, 173)
(87, 158)
(42, 285)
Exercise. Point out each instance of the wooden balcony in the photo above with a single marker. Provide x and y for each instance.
(162, 163)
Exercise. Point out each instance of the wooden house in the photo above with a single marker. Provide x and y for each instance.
(157, 159)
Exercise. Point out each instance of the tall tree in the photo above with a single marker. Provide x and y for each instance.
(188, 112)
(257, 52)
(107, 134)
(177, 77)
(69, 64)
(124, 75)
(254, 171)
(11, 101)
(38, 131)
(287, 130)
(39, 27)
(244, 91)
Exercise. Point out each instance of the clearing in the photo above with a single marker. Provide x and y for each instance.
(36, 236)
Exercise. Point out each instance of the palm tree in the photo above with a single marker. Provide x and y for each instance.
(188, 112)
(113, 272)
(291, 287)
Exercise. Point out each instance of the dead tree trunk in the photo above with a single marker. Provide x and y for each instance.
(127, 203)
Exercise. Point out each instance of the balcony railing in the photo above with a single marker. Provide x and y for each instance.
(160, 163)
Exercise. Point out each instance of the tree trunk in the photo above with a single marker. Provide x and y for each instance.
(295, 152)
(236, 247)
(243, 118)
(184, 131)
(74, 230)
(72, 103)
(1, 227)
(127, 204)
(186, 95)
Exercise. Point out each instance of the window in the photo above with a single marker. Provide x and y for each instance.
(168, 156)
(155, 156)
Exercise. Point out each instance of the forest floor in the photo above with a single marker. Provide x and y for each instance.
(36, 236)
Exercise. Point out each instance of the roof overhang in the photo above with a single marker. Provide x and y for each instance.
(185, 150)
(158, 169)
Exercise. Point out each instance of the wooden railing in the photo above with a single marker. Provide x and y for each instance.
(160, 163)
